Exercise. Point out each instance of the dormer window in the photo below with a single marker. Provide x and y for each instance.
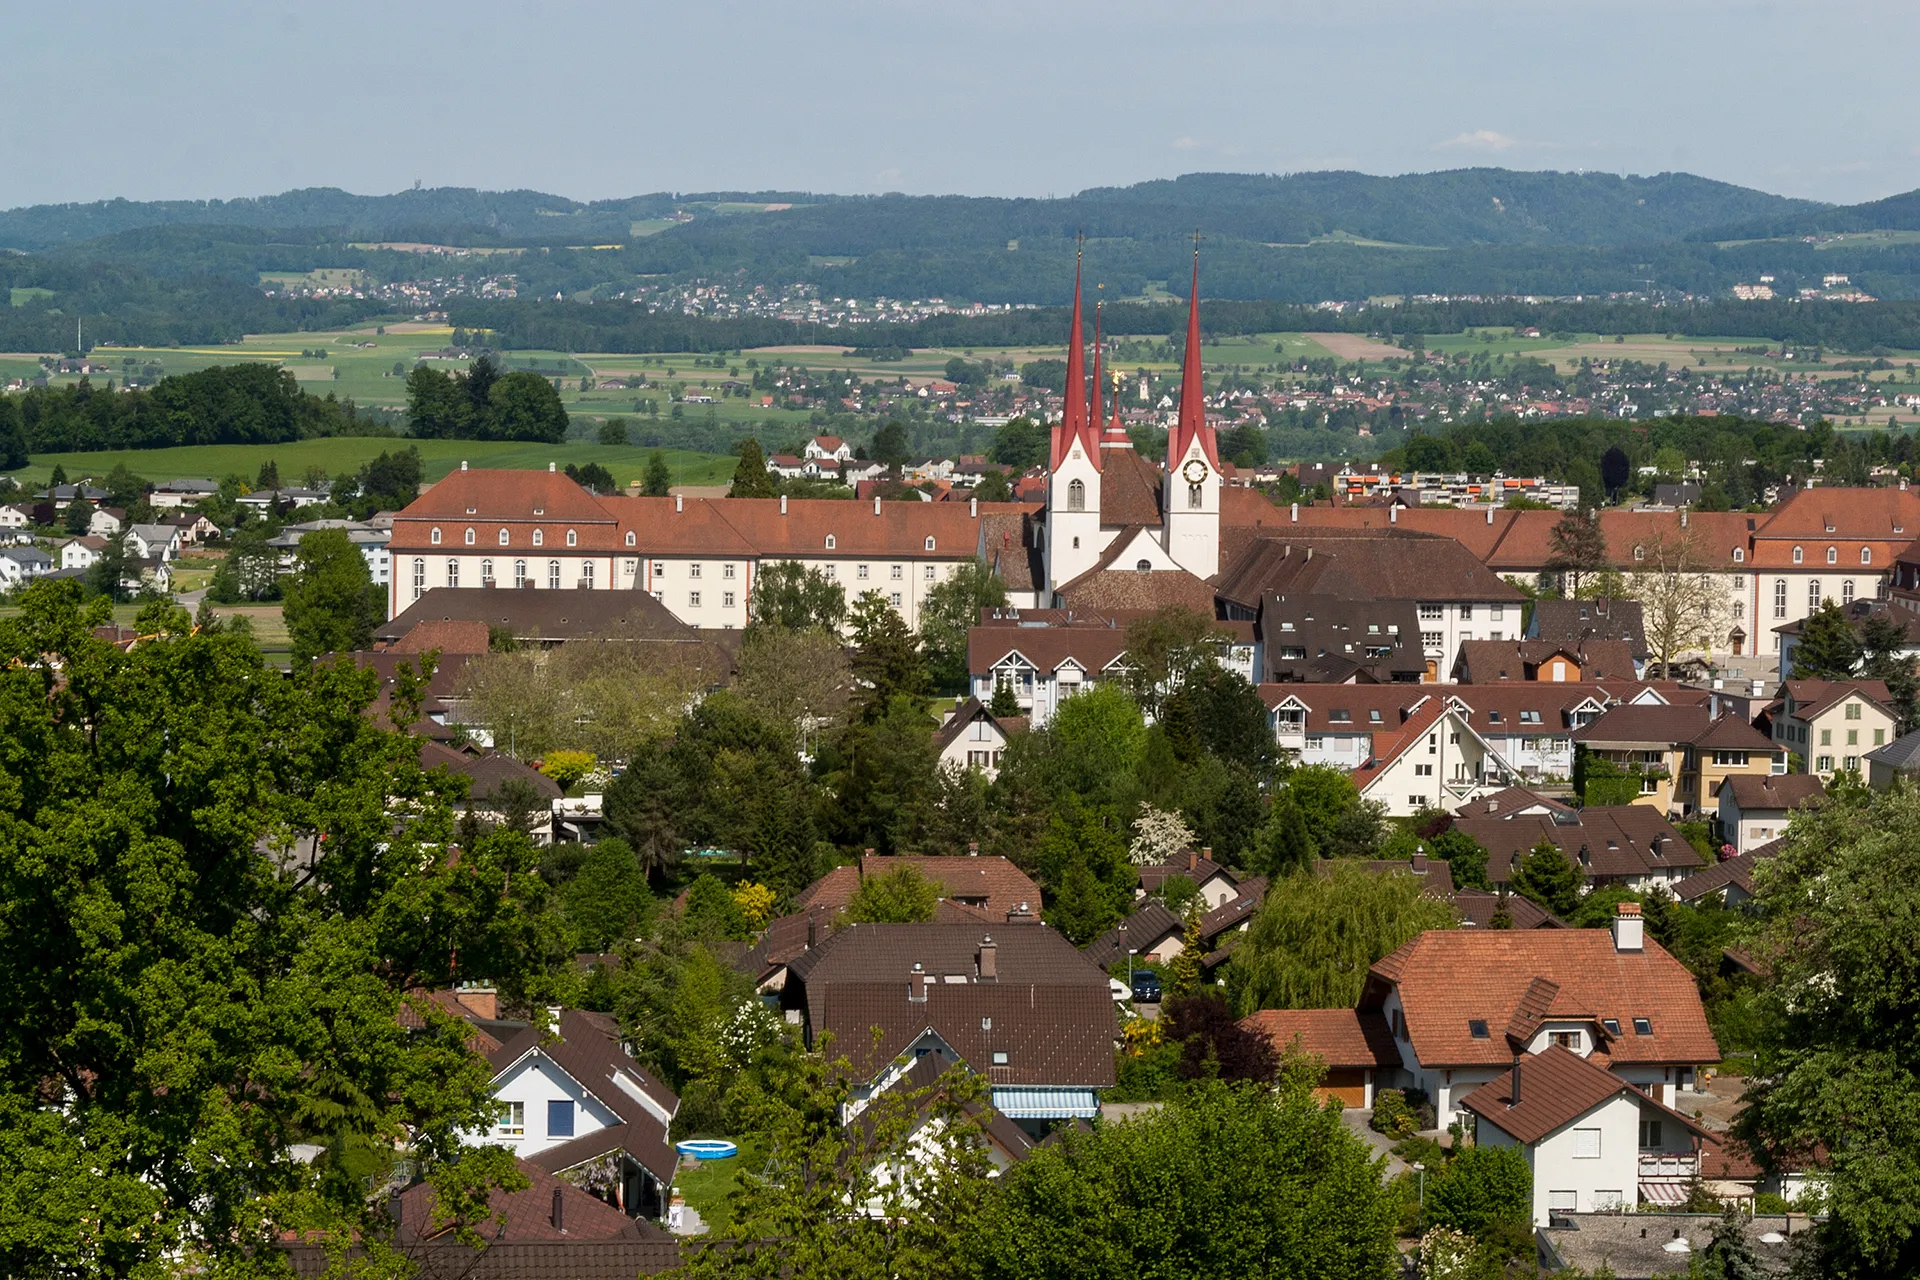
(573, 538)
(539, 537)
(1739, 555)
(469, 537)
(630, 538)
(1866, 555)
(1639, 553)
(435, 537)
(1146, 566)
(929, 544)
(503, 537)
(1833, 555)
(1798, 555)
(832, 542)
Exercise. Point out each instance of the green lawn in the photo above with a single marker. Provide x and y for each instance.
(21, 297)
(706, 1188)
(347, 453)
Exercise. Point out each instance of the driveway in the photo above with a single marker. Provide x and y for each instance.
(1355, 1118)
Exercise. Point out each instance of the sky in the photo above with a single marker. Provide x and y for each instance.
(593, 99)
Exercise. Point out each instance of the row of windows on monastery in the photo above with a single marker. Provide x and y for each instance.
(471, 538)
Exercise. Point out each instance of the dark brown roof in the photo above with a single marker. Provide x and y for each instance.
(1607, 841)
(614, 1259)
(1508, 801)
(1436, 876)
(1450, 977)
(1811, 697)
(1191, 863)
(1478, 907)
(489, 770)
(589, 1049)
(1482, 661)
(1376, 564)
(1557, 1087)
(965, 714)
(534, 614)
(1341, 1038)
(1130, 589)
(526, 1215)
(1664, 726)
(1149, 926)
(1094, 646)
(1300, 631)
(1759, 791)
(1579, 621)
(1733, 871)
(991, 883)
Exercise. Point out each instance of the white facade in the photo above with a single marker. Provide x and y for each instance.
(1192, 511)
(1747, 830)
(541, 1106)
(1074, 540)
(1593, 1163)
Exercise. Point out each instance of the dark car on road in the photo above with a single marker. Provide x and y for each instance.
(1146, 986)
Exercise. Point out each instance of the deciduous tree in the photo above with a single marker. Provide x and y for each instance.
(332, 604)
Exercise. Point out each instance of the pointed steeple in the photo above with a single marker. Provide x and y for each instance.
(1193, 403)
(1115, 435)
(1090, 434)
(1073, 420)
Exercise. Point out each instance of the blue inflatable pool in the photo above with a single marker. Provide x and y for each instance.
(707, 1148)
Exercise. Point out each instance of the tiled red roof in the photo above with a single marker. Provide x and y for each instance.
(991, 882)
(1605, 841)
(1449, 977)
(446, 635)
(1341, 1038)
(1754, 792)
(524, 1215)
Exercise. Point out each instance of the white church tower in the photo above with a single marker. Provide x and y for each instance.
(1073, 542)
(1192, 495)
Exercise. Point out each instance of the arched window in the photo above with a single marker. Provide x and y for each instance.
(586, 574)
(1779, 597)
(519, 573)
(469, 538)
(929, 544)
(630, 539)
(1866, 555)
(436, 535)
(1639, 553)
(503, 537)
(419, 578)
(539, 537)
(1813, 594)
(453, 572)
(1833, 555)
(832, 542)
(1739, 555)
(1846, 592)
(486, 572)
(1194, 498)
(1076, 495)
(1798, 555)
(1143, 566)
(573, 538)
(553, 575)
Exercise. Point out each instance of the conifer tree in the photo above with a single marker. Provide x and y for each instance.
(1828, 649)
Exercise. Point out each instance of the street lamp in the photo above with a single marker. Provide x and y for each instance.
(1122, 926)
(1421, 1169)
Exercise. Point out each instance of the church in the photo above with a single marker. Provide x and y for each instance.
(1118, 531)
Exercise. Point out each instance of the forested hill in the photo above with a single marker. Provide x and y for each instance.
(1895, 213)
(1460, 207)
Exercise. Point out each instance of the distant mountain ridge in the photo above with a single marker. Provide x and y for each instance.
(1449, 209)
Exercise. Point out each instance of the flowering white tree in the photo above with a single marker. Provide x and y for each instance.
(1157, 836)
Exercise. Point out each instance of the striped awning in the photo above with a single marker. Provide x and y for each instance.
(1665, 1193)
(1038, 1102)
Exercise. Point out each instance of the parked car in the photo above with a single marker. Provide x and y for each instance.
(1146, 986)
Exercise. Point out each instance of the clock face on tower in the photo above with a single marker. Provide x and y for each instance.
(1195, 471)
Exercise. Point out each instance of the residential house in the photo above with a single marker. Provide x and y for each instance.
(1629, 845)
(1757, 810)
(786, 466)
(974, 738)
(154, 541)
(1729, 881)
(1857, 615)
(828, 447)
(1899, 757)
(63, 495)
(1003, 1142)
(489, 774)
(22, 564)
(1680, 753)
(1593, 1140)
(1324, 639)
(1831, 724)
(181, 493)
(370, 541)
(571, 1095)
(80, 553)
(991, 889)
(1021, 1007)
(1156, 933)
(15, 516)
(1217, 885)
(194, 527)
(1434, 759)
(106, 521)
(1580, 621)
(1552, 661)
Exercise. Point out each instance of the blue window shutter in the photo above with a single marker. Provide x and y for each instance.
(560, 1119)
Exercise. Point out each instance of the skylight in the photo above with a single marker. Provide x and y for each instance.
(1477, 1028)
(1612, 1025)
(1643, 1026)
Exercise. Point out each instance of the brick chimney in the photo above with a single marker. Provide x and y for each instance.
(1514, 1100)
(989, 960)
(1420, 861)
(481, 1002)
(973, 848)
(1629, 929)
(559, 1214)
(917, 984)
(1193, 860)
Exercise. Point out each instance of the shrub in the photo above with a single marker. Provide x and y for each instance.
(1392, 1116)
(567, 767)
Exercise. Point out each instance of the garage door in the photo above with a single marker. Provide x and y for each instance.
(1350, 1086)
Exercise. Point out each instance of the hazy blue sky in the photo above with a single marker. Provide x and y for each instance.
(595, 99)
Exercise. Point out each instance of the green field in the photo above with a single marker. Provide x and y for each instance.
(21, 297)
(347, 453)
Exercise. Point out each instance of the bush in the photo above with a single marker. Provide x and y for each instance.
(567, 767)
(1479, 1188)
(1392, 1116)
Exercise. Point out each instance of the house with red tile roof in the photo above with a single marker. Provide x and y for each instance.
(990, 885)
(1680, 753)
(1831, 724)
(1758, 810)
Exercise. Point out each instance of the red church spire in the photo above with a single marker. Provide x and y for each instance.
(1090, 433)
(1073, 420)
(1193, 403)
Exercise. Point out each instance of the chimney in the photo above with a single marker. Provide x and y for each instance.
(559, 1214)
(876, 504)
(1193, 860)
(1628, 928)
(783, 504)
(1489, 515)
(1296, 513)
(1393, 514)
(813, 931)
(396, 1208)
(1514, 1100)
(1020, 914)
(481, 1003)
(463, 464)
(1419, 862)
(554, 1011)
(679, 503)
(973, 507)
(917, 984)
(552, 467)
(973, 848)
(989, 960)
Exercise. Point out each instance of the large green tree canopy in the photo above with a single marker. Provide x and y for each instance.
(217, 883)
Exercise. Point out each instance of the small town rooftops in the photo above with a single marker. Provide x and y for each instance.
(1340, 1038)
(1557, 1087)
